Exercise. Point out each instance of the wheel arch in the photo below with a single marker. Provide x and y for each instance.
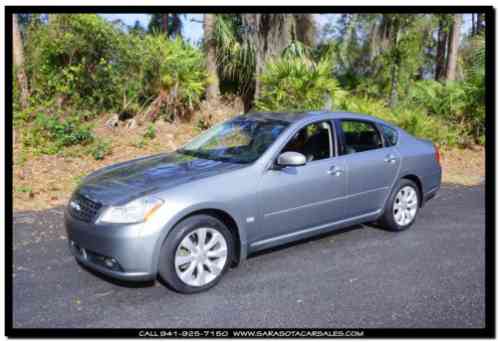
(418, 182)
(228, 221)
(221, 214)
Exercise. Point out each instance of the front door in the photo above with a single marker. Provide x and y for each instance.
(297, 198)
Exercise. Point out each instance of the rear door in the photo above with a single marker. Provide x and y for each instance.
(372, 165)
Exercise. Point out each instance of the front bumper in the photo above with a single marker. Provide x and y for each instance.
(129, 249)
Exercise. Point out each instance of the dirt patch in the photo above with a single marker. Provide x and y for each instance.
(463, 166)
(42, 182)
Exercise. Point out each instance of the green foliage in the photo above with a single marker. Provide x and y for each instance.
(50, 134)
(80, 66)
(173, 69)
(446, 100)
(175, 24)
(236, 58)
(474, 71)
(86, 62)
(455, 102)
(100, 148)
(77, 58)
(21, 116)
(416, 122)
(16, 93)
(293, 84)
(24, 189)
(150, 133)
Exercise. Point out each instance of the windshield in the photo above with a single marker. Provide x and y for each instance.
(241, 140)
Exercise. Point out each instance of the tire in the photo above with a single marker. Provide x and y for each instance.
(399, 213)
(189, 266)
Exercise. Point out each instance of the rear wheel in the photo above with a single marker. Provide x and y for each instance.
(196, 254)
(402, 206)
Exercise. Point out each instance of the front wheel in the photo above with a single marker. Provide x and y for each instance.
(402, 206)
(196, 254)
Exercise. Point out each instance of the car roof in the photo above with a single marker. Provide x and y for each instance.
(293, 117)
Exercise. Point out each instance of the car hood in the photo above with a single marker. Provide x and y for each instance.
(120, 183)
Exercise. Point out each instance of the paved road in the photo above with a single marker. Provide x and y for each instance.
(429, 276)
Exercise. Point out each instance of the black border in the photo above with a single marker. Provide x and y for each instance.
(487, 332)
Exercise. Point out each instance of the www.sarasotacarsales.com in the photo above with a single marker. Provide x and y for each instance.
(296, 333)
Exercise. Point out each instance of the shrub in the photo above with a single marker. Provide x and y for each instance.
(150, 133)
(294, 84)
(79, 59)
(457, 102)
(416, 122)
(100, 148)
(50, 134)
(174, 74)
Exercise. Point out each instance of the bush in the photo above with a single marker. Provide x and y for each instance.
(415, 122)
(150, 133)
(50, 134)
(81, 65)
(174, 74)
(457, 102)
(294, 84)
(100, 149)
(77, 59)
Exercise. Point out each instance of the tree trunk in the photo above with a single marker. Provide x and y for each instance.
(306, 29)
(473, 32)
(349, 32)
(442, 37)
(213, 88)
(18, 54)
(164, 24)
(373, 41)
(393, 98)
(480, 22)
(269, 34)
(51, 18)
(453, 44)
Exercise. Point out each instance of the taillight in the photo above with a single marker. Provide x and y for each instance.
(437, 155)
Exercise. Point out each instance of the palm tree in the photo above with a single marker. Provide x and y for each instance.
(453, 43)
(168, 23)
(18, 54)
(246, 42)
(213, 88)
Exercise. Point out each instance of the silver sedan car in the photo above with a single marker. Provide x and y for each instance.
(250, 183)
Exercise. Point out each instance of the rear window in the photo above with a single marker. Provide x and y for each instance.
(390, 135)
(359, 136)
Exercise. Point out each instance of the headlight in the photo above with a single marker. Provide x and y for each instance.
(134, 212)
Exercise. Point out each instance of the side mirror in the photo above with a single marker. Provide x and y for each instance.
(291, 159)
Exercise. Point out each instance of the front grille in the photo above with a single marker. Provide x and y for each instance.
(83, 209)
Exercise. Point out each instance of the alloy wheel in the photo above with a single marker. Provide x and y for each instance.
(405, 205)
(201, 256)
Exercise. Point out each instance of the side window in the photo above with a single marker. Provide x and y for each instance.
(314, 141)
(359, 136)
(390, 135)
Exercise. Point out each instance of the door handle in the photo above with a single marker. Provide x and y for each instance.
(335, 170)
(390, 158)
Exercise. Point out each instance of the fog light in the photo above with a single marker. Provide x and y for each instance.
(110, 262)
